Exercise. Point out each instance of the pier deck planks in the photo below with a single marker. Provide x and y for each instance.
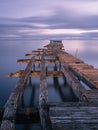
(74, 116)
(81, 69)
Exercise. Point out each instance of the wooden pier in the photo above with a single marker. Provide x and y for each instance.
(78, 115)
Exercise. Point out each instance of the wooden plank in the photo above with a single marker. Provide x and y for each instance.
(92, 95)
(80, 66)
(74, 117)
(48, 51)
(46, 55)
(87, 74)
(38, 61)
(32, 55)
(72, 104)
(43, 98)
(68, 58)
(36, 74)
(74, 82)
(8, 122)
(81, 71)
(87, 79)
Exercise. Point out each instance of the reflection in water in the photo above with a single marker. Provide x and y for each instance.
(58, 91)
(28, 97)
(35, 126)
(64, 90)
(32, 93)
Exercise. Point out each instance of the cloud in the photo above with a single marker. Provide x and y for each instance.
(59, 23)
(24, 8)
(62, 20)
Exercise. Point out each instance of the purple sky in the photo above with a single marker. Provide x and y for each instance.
(47, 19)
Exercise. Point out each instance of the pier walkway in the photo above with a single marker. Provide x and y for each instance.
(78, 115)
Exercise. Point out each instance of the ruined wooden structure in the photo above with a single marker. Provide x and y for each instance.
(82, 114)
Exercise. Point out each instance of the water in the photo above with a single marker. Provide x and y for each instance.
(12, 50)
(58, 91)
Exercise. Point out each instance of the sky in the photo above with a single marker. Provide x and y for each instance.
(48, 19)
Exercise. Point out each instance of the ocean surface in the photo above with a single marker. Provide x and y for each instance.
(58, 91)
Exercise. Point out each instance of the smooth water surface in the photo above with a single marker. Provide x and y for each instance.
(12, 50)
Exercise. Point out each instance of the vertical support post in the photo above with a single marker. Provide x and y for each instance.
(33, 64)
(59, 66)
(55, 53)
(30, 82)
(39, 59)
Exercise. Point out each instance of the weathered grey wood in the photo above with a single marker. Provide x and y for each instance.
(37, 55)
(48, 51)
(72, 104)
(36, 74)
(83, 71)
(90, 83)
(74, 117)
(43, 98)
(8, 122)
(38, 61)
(74, 82)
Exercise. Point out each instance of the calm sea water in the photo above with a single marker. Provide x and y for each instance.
(12, 50)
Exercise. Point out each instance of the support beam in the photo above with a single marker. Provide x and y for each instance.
(38, 61)
(37, 74)
(74, 83)
(8, 122)
(43, 98)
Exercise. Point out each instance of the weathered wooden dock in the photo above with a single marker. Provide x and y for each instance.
(81, 114)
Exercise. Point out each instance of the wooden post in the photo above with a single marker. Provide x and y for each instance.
(22, 101)
(30, 81)
(59, 66)
(55, 67)
(33, 64)
(8, 122)
(39, 59)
